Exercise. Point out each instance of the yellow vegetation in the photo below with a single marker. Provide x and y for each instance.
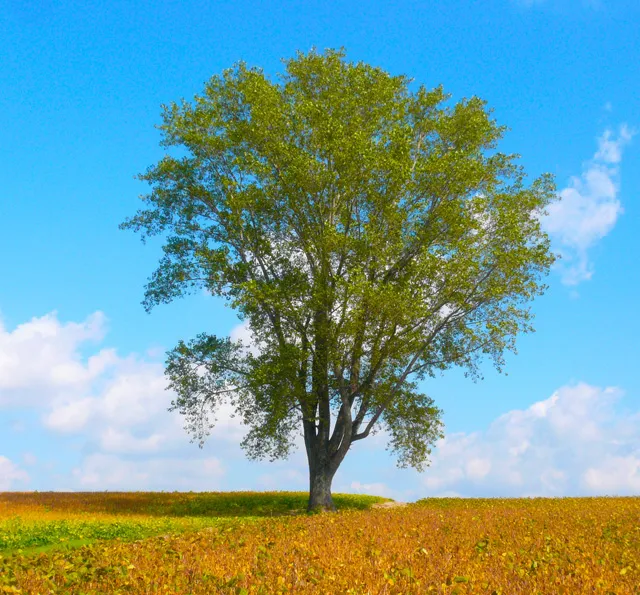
(452, 546)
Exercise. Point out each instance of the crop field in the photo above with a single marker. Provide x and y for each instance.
(248, 542)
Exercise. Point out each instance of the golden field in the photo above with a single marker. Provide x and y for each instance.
(244, 542)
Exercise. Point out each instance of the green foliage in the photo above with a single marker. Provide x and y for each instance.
(16, 534)
(414, 424)
(368, 232)
(171, 513)
(254, 504)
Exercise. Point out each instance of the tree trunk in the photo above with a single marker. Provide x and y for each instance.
(320, 500)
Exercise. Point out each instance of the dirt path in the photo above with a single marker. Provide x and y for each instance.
(388, 504)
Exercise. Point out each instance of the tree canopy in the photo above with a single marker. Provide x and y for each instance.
(371, 235)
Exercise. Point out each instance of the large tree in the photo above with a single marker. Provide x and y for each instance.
(369, 234)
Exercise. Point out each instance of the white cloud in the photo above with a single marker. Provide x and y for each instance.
(450, 475)
(101, 471)
(373, 489)
(477, 468)
(122, 441)
(610, 150)
(118, 405)
(10, 473)
(228, 428)
(615, 474)
(243, 333)
(39, 359)
(133, 396)
(69, 417)
(120, 412)
(573, 443)
(290, 477)
(588, 209)
(130, 414)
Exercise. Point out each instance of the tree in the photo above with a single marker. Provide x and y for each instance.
(368, 233)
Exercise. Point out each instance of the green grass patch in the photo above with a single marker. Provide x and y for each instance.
(241, 504)
(16, 534)
(217, 504)
(155, 514)
(43, 549)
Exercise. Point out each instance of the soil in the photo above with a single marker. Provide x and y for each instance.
(388, 504)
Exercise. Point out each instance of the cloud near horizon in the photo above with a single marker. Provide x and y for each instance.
(574, 442)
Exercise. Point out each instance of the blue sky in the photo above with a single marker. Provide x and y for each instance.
(82, 399)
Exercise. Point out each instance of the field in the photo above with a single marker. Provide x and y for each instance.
(248, 542)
